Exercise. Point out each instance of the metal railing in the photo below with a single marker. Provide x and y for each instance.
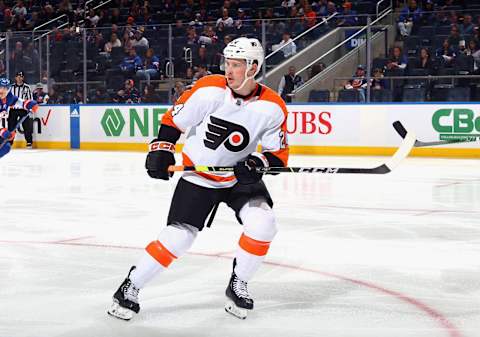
(396, 84)
(339, 45)
(324, 21)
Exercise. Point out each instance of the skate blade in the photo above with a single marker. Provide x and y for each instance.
(119, 312)
(231, 308)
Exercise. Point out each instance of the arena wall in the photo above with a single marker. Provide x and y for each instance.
(325, 129)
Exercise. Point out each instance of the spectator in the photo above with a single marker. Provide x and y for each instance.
(428, 13)
(128, 37)
(93, 18)
(53, 96)
(409, 16)
(424, 61)
(310, 16)
(441, 19)
(474, 51)
(31, 55)
(140, 40)
(349, 16)
(189, 75)
(202, 71)
(397, 60)
(78, 98)
(287, 45)
(16, 57)
(208, 36)
(129, 94)
(197, 21)
(202, 56)
(192, 38)
(150, 95)
(288, 4)
(19, 9)
(316, 69)
(113, 43)
(150, 67)
(226, 19)
(467, 27)
(115, 17)
(378, 82)
(100, 96)
(179, 29)
(446, 53)
(358, 82)
(321, 7)
(177, 91)
(241, 20)
(32, 21)
(296, 22)
(454, 38)
(40, 95)
(288, 84)
(131, 63)
(331, 8)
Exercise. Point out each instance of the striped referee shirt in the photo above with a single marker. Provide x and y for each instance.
(22, 91)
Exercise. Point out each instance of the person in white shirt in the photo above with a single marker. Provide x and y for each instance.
(114, 42)
(287, 45)
(140, 40)
(226, 19)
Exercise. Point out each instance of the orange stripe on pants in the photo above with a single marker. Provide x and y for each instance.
(160, 253)
(252, 246)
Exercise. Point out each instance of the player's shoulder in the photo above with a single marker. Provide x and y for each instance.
(217, 81)
(271, 96)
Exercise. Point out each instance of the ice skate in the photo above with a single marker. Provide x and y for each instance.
(125, 300)
(239, 300)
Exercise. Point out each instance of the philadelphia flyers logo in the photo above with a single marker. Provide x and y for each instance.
(235, 137)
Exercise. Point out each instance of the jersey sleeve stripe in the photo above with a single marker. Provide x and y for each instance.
(167, 119)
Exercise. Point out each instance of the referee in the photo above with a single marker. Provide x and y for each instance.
(23, 91)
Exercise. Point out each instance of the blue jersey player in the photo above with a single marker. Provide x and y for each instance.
(10, 101)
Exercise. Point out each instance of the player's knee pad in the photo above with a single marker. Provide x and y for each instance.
(178, 238)
(258, 220)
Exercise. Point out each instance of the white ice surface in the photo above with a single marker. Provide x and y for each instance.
(356, 255)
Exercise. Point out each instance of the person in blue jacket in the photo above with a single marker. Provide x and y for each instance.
(10, 101)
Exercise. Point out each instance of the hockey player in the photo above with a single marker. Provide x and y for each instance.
(10, 101)
(225, 118)
(5, 138)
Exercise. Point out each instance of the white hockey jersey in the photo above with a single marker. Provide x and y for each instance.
(222, 130)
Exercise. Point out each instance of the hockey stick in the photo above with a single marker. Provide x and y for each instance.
(387, 167)
(16, 127)
(403, 133)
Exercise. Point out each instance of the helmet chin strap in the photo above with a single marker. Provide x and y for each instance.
(247, 78)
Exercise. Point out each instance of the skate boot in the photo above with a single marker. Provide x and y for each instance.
(125, 300)
(239, 300)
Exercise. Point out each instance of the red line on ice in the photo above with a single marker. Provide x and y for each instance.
(426, 309)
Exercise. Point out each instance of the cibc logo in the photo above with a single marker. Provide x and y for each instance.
(456, 124)
(309, 123)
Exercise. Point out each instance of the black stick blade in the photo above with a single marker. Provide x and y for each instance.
(400, 129)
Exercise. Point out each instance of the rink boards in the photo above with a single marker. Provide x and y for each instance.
(323, 129)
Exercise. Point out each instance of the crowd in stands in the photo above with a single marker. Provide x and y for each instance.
(435, 38)
(125, 41)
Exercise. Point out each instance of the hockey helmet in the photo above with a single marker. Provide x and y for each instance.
(248, 49)
(5, 83)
